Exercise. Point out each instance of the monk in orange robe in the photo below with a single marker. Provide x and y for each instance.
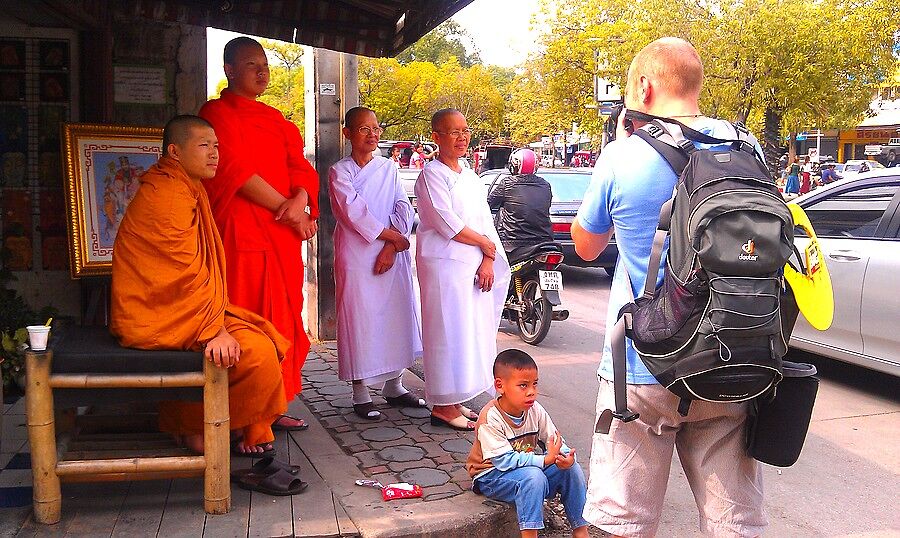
(168, 291)
(264, 201)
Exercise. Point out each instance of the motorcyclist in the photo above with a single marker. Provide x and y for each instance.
(522, 201)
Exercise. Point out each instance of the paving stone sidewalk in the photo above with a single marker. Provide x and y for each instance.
(401, 447)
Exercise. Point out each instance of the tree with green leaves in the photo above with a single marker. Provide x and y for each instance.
(777, 65)
(448, 40)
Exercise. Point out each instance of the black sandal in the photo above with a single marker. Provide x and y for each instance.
(265, 466)
(276, 427)
(362, 411)
(279, 483)
(406, 400)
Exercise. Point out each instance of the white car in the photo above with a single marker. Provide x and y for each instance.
(853, 167)
(857, 221)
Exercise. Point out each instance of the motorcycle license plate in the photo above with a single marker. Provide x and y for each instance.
(550, 280)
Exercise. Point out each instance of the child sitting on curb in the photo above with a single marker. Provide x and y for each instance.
(505, 462)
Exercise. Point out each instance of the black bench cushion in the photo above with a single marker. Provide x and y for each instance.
(93, 350)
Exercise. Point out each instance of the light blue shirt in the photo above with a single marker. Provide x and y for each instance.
(629, 185)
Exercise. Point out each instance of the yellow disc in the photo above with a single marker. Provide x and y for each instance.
(812, 287)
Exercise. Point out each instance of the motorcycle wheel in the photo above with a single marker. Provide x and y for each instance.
(534, 322)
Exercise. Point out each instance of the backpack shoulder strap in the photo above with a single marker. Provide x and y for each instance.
(620, 388)
(676, 155)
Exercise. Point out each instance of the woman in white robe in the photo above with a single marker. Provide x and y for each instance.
(378, 333)
(463, 277)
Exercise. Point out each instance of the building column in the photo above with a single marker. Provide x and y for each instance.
(332, 88)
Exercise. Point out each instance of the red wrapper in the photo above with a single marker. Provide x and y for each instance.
(396, 491)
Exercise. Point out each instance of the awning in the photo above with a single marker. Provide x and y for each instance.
(364, 27)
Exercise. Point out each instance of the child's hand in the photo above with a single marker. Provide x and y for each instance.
(554, 443)
(564, 462)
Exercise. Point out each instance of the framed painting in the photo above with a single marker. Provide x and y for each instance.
(102, 166)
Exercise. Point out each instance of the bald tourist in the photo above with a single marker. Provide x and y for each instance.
(264, 201)
(168, 292)
(463, 277)
(630, 465)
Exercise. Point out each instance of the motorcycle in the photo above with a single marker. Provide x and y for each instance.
(534, 292)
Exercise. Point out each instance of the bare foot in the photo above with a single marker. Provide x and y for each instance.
(194, 442)
(251, 449)
(285, 421)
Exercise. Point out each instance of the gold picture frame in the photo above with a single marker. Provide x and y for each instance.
(102, 164)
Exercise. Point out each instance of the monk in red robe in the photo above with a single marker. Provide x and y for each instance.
(264, 200)
(168, 292)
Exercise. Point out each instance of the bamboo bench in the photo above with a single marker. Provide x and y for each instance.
(84, 366)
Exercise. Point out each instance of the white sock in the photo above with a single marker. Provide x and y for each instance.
(361, 393)
(394, 387)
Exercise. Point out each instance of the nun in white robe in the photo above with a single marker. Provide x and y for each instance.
(378, 332)
(459, 321)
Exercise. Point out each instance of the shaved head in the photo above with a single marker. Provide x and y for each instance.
(438, 117)
(352, 116)
(236, 44)
(510, 360)
(672, 65)
(178, 130)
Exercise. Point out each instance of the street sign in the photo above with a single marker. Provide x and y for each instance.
(800, 137)
(605, 90)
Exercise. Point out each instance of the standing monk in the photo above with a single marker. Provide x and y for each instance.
(168, 291)
(463, 277)
(264, 200)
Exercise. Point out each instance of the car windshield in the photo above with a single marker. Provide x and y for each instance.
(567, 187)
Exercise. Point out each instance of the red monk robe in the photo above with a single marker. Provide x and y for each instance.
(265, 268)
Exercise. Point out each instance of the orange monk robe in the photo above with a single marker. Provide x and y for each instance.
(168, 292)
(265, 268)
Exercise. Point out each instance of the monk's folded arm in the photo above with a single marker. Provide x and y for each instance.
(258, 191)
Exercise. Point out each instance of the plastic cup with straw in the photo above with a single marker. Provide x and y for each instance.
(38, 335)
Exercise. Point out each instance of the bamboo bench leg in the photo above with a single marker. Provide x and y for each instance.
(42, 437)
(216, 426)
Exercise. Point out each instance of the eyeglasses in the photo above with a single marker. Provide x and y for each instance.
(457, 133)
(370, 131)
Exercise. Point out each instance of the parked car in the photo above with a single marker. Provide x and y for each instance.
(857, 222)
(408, 178)
(384, 146)
(491, 156)
(858, 166)
(568, 186)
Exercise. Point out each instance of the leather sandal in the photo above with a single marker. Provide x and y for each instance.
(279, 483)
(265, 466)
(466, 412)
(365, 410)
(405, 400)
(276, 427)
(459, 423)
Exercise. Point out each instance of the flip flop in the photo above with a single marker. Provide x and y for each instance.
(459, 423)
(279, 483)
(466, 412)
(405, 400)
(364, 410)
(265, 466)
(281, 428)
(235, 451)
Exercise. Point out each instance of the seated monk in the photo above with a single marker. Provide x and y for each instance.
(168, 292)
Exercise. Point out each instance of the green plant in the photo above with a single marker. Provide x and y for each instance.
(12, 354)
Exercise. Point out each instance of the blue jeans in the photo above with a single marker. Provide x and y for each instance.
(527, 487)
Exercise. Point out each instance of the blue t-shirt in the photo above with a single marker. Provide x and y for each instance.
(629, 185)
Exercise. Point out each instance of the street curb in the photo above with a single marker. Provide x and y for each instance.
(464, 515)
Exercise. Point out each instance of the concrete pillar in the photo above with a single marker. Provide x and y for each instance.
(332, 88)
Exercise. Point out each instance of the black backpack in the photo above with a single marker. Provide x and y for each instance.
(717, 328)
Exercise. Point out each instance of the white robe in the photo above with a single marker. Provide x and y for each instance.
(378, 333)
(459, 321)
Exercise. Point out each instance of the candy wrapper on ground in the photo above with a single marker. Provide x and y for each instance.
(401, 490)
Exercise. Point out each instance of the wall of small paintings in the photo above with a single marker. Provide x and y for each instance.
(36, 97)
